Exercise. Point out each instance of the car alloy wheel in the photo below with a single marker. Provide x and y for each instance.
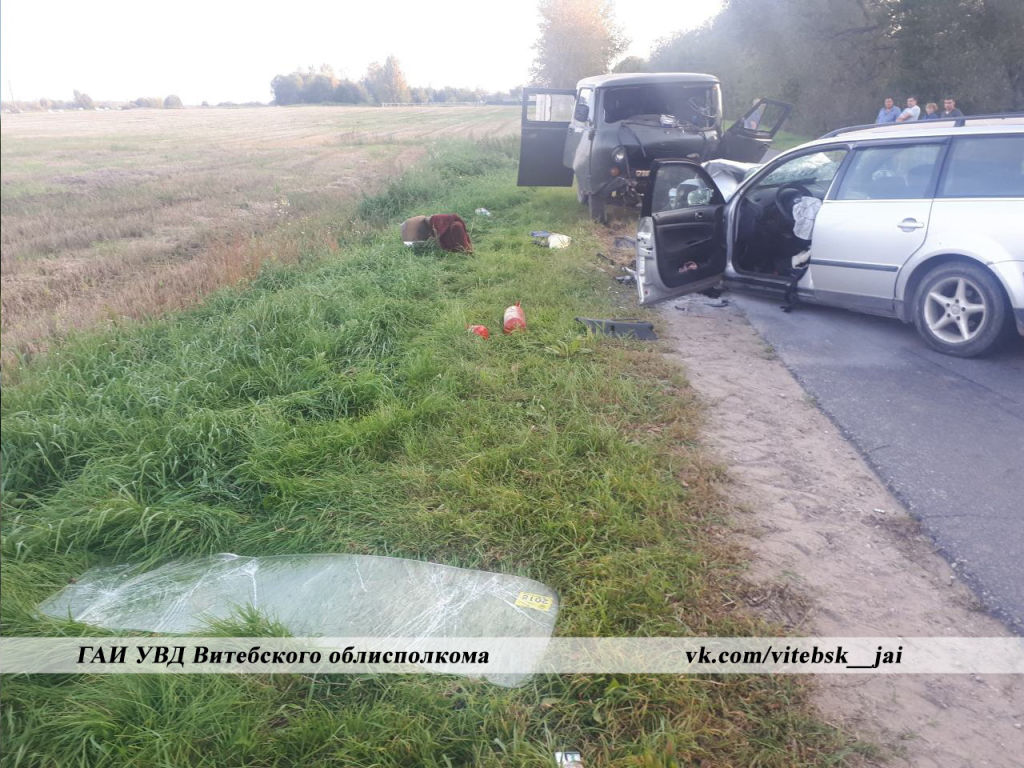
(960, 309)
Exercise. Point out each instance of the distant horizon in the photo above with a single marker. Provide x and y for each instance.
(229, 52)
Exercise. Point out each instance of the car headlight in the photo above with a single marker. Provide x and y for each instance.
(619, 154)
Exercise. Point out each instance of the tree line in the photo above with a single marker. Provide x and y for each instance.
(836, 60)
(85, 101)
(382, 84)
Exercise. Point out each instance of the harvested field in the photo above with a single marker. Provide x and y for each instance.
(108, 215)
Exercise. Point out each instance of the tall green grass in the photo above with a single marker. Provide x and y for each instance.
(341, 406)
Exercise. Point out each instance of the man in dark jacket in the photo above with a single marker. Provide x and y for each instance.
(949, 109)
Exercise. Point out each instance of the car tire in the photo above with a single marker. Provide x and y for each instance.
(960, 309)
(598, 209)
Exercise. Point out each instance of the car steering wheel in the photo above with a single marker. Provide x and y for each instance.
(785, 198)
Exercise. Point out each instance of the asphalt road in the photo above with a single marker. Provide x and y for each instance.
(946, 435)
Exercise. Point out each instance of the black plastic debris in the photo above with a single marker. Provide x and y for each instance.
(636, 329)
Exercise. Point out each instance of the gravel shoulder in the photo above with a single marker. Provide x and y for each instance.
(833, 553)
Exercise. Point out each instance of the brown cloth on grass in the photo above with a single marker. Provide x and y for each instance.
(450, 232)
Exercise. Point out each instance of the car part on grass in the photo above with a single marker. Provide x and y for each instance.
(482, 212)
(479, 330)
(515, 319)
(550, 239)
(330, 595)
(625, 243)
(637, 329)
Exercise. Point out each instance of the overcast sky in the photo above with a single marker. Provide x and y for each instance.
(227, 50)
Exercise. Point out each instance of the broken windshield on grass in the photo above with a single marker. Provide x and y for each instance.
(310, 596)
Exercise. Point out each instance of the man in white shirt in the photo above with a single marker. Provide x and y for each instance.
(912, 112)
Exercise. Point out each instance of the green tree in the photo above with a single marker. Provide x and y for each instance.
(287, 89)
(386, 83)
(972, 50)
(577, 38)
(173, 102)
(84, 101)
(632, 64)
(833, 59)
(836, 60)
(347, 92)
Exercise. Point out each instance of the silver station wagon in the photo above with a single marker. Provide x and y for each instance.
(919, 221)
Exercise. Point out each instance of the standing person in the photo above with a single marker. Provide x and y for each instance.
(888, 113)
(931, 111)
(949, 109)
(912, 112)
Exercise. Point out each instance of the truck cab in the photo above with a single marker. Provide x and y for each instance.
(608, 130)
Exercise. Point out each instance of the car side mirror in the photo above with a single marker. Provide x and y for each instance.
(581, 114)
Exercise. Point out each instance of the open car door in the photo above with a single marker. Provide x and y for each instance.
(750, 136)
(680, 243)
(545, 125)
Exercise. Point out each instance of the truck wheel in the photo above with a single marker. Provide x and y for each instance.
(960, 310)
(598, 210)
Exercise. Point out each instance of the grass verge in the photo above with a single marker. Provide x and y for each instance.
(341, 406)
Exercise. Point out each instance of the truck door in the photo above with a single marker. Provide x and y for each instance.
(545, 125)
(579, 138)
(750, 136)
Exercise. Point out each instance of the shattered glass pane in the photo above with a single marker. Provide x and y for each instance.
(312, 596)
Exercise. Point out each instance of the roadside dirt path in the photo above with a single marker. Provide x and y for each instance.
(833, 553)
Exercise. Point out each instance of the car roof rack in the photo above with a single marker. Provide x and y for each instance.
(958, 122)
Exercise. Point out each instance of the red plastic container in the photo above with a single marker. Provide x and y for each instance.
(515, 319)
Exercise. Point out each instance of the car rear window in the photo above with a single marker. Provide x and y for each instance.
(901, 172)
(985, 166)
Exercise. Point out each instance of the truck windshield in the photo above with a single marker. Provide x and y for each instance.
(689, 104)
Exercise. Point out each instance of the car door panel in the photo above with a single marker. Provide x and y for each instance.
(859, 247)
(545, 120)
(874, 223)
(681, 239)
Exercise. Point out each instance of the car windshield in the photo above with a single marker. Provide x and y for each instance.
(818, 166)
(697, 105)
